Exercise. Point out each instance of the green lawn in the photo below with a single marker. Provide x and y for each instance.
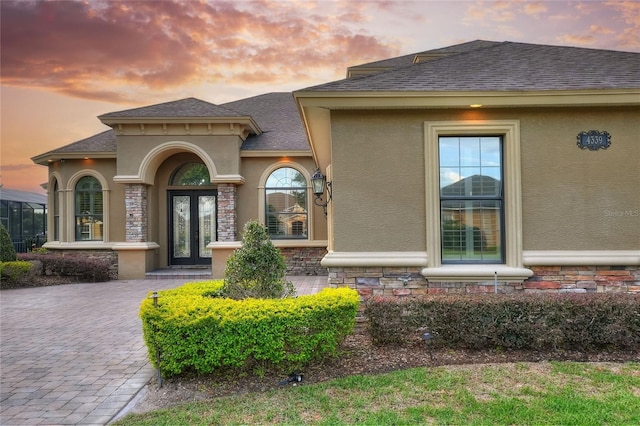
(555, 393)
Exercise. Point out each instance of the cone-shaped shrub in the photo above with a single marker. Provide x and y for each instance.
(257, 269)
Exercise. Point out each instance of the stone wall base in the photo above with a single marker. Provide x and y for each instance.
(304, 260)
(408, 282)
(108, 256)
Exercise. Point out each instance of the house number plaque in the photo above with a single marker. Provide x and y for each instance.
(594, 140)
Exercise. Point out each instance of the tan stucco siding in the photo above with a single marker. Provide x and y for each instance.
(222, 149)
(378, 174)
(576, 199)
(572, 199)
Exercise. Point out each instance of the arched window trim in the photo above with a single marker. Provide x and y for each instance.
(173, 175)
(262, 198)
(69, 216)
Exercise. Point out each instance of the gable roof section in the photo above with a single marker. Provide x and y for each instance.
(401, 61)
(503, 66)
(277, 116)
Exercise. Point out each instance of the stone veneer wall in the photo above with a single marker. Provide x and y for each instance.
(408, 282)
(304, 260)
(135, 199)
(108, 256)
(227, 216)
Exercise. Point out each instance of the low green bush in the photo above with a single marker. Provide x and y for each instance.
(197, 331)
(82, 268)
(526, 321)
(15, 273)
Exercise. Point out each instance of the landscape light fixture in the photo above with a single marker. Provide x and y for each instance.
(427, 338)
(318, 183)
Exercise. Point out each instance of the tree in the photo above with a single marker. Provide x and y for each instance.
(7, 251)
(257, 269)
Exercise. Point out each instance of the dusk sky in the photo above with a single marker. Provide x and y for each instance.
(63, 63)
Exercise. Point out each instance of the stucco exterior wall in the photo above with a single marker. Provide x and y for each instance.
(572, 199)
(378, 175)
(223, 149)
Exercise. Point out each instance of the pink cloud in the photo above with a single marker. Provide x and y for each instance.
(577, 39)
(535, 8)
(102, 50)
(599, 29)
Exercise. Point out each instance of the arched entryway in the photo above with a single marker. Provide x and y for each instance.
(192, 215)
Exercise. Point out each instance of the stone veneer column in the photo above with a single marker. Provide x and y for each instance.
(227, 215)
(135, 199)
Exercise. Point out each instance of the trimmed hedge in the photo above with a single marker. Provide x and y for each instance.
(197, 331)
(81, 267)
(528, 321)
(15, 273)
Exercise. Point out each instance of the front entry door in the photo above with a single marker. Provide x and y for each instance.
(192, 225)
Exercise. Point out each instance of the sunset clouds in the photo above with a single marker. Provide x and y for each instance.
(65, 62)
(103, 50)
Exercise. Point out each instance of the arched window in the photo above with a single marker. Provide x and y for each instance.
(89, 209)
(190, 174)
(286, 214)
(56, 211)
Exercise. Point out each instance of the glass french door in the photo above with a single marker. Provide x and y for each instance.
(192, 225)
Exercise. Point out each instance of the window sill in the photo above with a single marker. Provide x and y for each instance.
(462, 273)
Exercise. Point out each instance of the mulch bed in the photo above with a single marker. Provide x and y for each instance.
(357, 356)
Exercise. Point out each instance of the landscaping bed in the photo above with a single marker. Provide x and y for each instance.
(357, 356)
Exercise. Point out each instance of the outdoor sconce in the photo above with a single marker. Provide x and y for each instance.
(318, 183)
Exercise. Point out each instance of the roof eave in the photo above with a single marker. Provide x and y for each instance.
(463, 99)
(257, 153)
(53, 156)
(243, 120)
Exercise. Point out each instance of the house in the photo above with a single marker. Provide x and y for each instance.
(444, 171)
(171, 185)
(486, 162)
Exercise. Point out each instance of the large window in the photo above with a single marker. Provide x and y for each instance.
(471, 199)
(286, 212)
(89, 209)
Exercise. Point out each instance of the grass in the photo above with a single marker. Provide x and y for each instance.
(555, 393)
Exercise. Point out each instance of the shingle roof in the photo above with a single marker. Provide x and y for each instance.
(102, 142)
(187, 108)
(505, 66)
(404, 60)
(278, 117)
(275, 113)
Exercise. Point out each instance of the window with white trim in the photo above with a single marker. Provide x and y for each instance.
(89, 209)
(473, 196)
(471, 199)
(286, 211)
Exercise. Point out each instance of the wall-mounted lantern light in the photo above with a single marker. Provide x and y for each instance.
(318, 183)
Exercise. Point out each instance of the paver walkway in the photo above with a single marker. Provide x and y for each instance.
(73, 354)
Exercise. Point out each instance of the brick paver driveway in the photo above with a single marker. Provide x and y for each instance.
(73, 354)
